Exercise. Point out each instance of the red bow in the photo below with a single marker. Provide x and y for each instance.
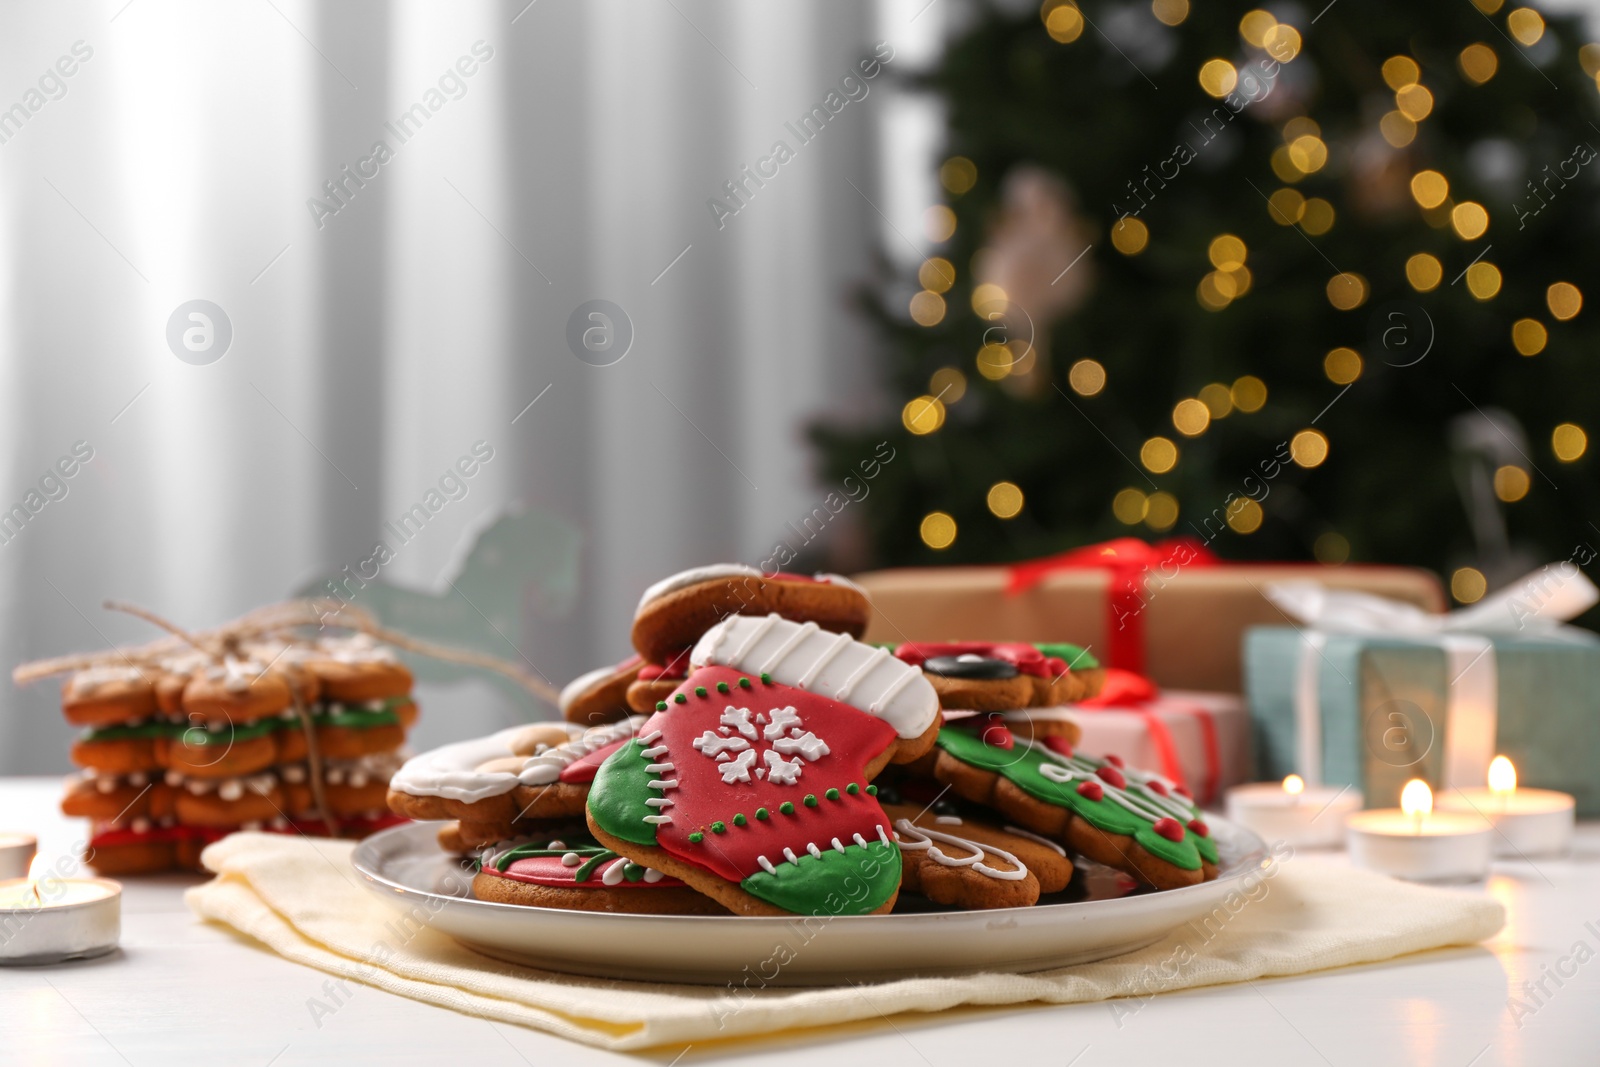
(1130, 561)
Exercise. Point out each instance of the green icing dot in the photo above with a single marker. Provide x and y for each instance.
(696, 837)
(832, 794)
(872, 790)
(762, 813)
(738, 820)
(681, 699)
(661, 705)
(722, 687)
(744, 683)
(852, 789)
(633, 872)
(766, 678)
(786, 808)
(811, 800)
(699, 690)
(719, 827)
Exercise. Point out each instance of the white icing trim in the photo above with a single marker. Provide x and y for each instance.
(1031, 836)
(694, 576)
(923, 838)
(451, 771)
(831, 665)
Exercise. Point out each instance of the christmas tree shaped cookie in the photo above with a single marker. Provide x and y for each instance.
(751, 783)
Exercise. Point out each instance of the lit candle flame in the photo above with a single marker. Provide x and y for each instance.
(1502, 777)
(1294, 785)
(1416, 800)
(36, 872)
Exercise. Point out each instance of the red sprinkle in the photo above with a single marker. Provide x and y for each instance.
(1156, 787)
(1113, 776)
(1091, 790)
(996, 733)
(1115, 761)
(1059, 745)
(1169, 828)
(1182, 792)
(1199, 829)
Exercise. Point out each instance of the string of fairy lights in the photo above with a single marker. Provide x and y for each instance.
(1303, 152)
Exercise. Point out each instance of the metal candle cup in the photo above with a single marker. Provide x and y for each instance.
(1419, 844)
(1300, 815)
(55, 919)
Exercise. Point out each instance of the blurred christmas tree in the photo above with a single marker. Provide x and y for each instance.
(1301, 283)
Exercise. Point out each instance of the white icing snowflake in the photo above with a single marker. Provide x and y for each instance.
(736, 745)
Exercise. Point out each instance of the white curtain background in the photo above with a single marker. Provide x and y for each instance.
(369, 354)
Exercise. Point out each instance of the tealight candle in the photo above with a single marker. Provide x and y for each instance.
(1527, 822)
(1302, 816)
(48, 918)
(16, 853)
(1417, 843)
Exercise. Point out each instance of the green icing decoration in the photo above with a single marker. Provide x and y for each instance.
(722, 687)
(852, 789)
(696, 837)
(786, 808)
(719, 827)
(872, 790)
(632, 872)
(681, 699)
(196, 736)
(699, 690)
(739, 819)
(763, 813)
(617, 797)
(823, 884)
(744, 683)
(811, 800)
(661, 705)
(1020, 766)
(766, 678)
(832, 794)
(1078, 658)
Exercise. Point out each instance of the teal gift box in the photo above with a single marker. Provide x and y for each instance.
(1375, 710)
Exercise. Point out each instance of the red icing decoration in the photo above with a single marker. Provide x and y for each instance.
(1112, 776)
(1091, 789)
(1025, 658)
(1182, 792)
(1157, 788)
(1059, 745)
(1115, 761)
(998, 734)
(1169, 828)
(583, 768)
(853, 738)
(675, 668)
(550, 871)
(1199, 829)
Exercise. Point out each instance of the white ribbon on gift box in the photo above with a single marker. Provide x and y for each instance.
(1539, 602)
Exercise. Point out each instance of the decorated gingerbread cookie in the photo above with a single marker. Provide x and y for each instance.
(1135, 821)
(601, 695)
(675, 611)
(991, 675)
(967, 863)
(1083, 678)
(658, 681)
(541, 771)
(574, 872)
(752, 783)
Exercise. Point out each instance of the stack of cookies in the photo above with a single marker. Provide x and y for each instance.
(181, 747)
(755, 757)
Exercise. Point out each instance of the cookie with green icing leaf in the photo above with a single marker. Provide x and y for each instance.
(752, 782)
(1136, 821)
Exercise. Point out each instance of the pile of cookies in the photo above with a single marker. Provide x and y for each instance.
(181, 748)
(757, 758)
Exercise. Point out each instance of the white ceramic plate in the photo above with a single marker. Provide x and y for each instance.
(1099, 916)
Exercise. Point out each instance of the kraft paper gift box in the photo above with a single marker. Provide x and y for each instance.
(1170, 610)
(1371, 696)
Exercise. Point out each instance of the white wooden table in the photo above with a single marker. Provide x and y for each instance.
(182, 992)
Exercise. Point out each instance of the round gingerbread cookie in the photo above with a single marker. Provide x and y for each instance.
(986, 675)
(968, 863)
(575, 873)
(353, 669)
(673, 613)
(601, 695)
(107, 695)
(237, 691)
(1082, 676)
(1135, 821)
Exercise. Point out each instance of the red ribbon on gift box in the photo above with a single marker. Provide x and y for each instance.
(1129, 561)
(1127, 691)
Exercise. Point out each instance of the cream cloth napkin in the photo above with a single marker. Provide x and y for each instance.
(301, 898)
